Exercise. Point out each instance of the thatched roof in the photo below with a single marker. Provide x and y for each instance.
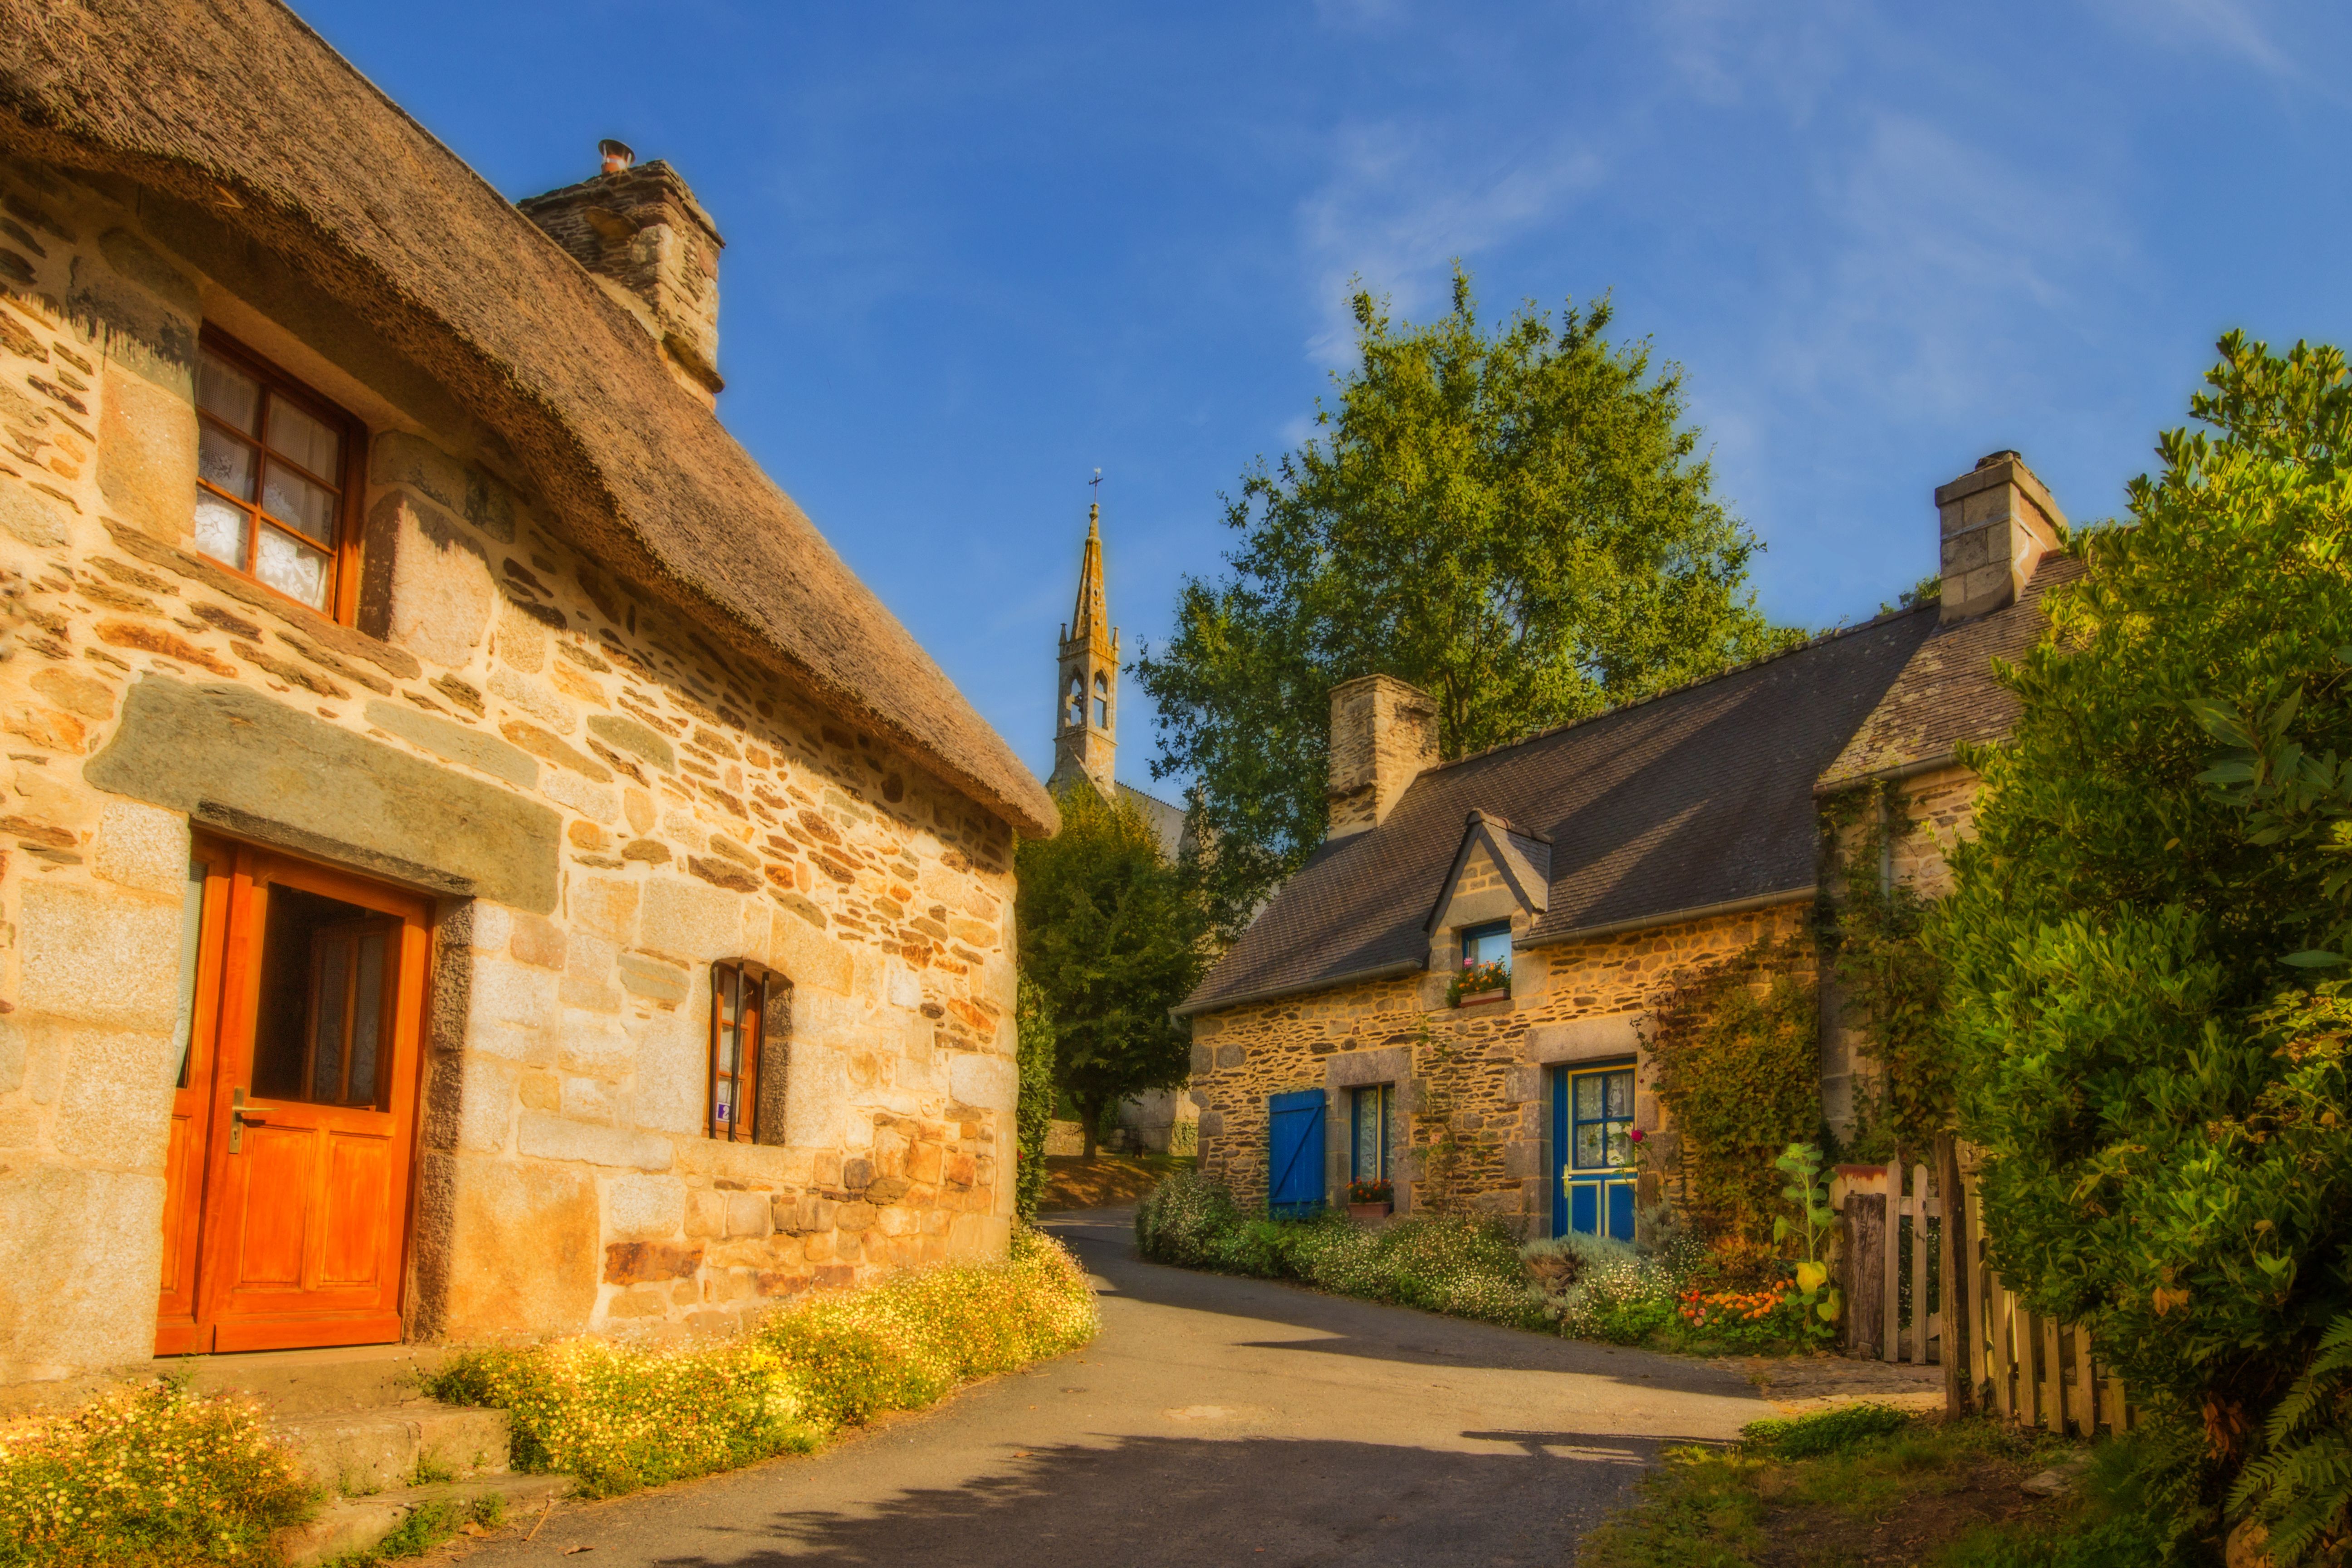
(238, 106)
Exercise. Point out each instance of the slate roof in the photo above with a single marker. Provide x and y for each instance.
(1701, 797)
(236, 111)
(1166, 821)
(1946, 694)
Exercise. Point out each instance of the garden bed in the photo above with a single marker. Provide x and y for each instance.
(1681, 1296)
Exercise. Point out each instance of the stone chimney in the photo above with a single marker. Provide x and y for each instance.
(639, 232)
(1997, 523)
(1383, 736)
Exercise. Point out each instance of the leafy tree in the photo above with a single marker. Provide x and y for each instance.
(1112, 938)
(2151, 1055)
(1034, 1111)
(1515, 520)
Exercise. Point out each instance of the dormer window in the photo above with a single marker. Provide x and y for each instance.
(1486, 944)
(275, 472)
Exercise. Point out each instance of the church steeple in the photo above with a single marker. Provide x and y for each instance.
(1085, 730)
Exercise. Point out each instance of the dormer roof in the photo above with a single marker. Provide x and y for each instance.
(1520, 857)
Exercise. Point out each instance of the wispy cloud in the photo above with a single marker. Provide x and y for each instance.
(1403, 201)
(2236, 27)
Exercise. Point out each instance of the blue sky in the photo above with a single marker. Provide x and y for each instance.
(974, 253)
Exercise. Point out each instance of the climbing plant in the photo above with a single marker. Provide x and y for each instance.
(1734, 1049)
(1890, 981)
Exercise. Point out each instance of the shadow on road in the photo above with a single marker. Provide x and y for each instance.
(1194, 1500)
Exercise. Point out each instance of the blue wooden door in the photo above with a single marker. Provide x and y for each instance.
(1592, 1120)
(1294, 1153)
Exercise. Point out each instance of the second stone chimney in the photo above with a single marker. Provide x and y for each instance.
(1383, 736)
(1997, 523)
(639, 231)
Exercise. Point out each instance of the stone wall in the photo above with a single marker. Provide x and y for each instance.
(1470, 1083)
(604, 803)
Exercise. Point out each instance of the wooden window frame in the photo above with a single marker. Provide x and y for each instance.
(1487, 928)
(349, 486)
(742, 1121)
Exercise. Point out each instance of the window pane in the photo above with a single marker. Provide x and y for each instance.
(1588, 1098)
(327, 1035)
(1588, 1145)
(367, 1020)
(222, 529)
(1621, 1146)
(288, 497)
(1620, 1094)
(1486, 945)
(292, 567)
(313, 443)
(226, 392)
(223, 461)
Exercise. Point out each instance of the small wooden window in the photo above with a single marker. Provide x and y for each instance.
(277, 478)
(741, 994)
(1487, 944)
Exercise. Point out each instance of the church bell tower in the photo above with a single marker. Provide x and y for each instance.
(1085, 727)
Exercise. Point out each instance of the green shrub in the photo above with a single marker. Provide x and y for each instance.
(1822, 1431)
(1612, 1290)
(150, 1475)
(1181, 1220)
(622, 1416)
(2152, 1054)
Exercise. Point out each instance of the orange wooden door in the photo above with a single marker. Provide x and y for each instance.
(211, 866)
(309, 1129)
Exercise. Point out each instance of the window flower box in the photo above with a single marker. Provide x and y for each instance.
(1370, 1200)
(1480, 983)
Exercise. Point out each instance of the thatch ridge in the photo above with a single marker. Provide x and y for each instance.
(240, 108)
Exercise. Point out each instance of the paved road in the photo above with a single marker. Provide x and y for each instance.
(1214, 1421)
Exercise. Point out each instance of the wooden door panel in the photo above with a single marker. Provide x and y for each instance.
(183, 1185)
(273, 1212)
(357, 1221)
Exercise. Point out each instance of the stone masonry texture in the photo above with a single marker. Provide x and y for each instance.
(604, 803)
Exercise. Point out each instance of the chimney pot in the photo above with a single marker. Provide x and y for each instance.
(617, 155)
(1996, 523)
(1383, 736)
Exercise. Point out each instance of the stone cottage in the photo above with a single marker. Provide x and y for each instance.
(1576, 874)
(474, 861)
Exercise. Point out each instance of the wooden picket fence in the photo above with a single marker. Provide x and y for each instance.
(1998, 1357)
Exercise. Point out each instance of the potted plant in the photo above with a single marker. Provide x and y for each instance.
(1480, 983)
(1371, 1200)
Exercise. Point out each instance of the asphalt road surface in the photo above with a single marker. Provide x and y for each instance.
(1214, 1421)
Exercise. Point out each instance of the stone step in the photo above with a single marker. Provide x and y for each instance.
(316, 1382)
(359, 1452)
(355, 1524)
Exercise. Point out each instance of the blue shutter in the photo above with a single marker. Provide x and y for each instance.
(1294, 1156)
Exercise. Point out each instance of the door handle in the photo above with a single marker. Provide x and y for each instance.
(239, 1118)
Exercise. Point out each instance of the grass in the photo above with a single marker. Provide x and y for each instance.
(427, 1526)
(149, 1474)
(619, 1417)
(1866, 1486)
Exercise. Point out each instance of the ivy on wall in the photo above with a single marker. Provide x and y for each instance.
(1890, 983)
(1734, 1055)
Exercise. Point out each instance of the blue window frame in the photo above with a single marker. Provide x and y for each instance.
(1368, 1134)
(1489, 943)
(1592, 1149)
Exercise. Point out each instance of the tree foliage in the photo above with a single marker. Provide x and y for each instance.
(1515, 521)
(1890, 981)
(1034, 1111)
(2150, 1058)
(1111, 935)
